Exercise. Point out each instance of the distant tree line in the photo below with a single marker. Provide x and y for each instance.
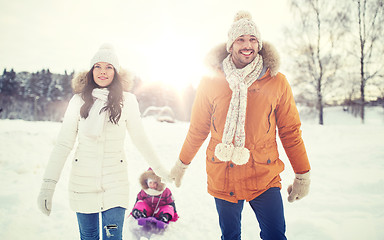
(44, 96)
(34, 96)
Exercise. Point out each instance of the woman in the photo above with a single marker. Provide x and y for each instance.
(98, 115)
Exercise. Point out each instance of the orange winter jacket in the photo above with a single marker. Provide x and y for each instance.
(270, 106)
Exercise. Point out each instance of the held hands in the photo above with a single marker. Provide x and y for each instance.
(177, 172)
(44, 201)
(300, 187)
(163, 174)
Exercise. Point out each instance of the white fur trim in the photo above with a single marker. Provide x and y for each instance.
(153, 192)
(240, 155)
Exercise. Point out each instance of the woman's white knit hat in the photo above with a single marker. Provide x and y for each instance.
(106, 53)
(243, 25)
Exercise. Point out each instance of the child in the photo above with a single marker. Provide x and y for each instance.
(154, 199)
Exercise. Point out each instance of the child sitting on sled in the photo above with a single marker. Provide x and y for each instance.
(154, 200)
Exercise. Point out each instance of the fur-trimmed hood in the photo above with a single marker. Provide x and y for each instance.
(271, 58)
(150, 174)
(79, 80)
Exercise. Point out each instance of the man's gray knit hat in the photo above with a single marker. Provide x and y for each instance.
(243, 25)
(106, 53)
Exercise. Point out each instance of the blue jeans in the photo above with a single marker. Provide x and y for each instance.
(112, 222)
(268, 208)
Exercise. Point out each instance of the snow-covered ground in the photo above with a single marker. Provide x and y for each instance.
(346, 200)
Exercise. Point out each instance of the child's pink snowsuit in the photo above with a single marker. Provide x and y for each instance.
(154, 205)
(155, 201)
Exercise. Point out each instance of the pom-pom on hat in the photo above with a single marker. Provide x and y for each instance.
(243, 25)
(106, 53)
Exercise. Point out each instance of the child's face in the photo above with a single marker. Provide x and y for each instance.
(152, 184)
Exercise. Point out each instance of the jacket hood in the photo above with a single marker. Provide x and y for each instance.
(271, 58)
(79, 80)
(150, 174)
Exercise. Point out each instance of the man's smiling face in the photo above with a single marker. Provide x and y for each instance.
(244, 49)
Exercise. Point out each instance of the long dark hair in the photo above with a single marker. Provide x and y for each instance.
(115, 97)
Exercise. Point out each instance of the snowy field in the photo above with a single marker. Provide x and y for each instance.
(346, 200)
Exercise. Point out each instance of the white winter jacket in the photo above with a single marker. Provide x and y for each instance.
(99, 177)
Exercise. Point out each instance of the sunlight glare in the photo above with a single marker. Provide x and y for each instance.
(174, 60)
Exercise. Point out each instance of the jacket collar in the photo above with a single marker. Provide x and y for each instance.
(79, 80)
(269, 53)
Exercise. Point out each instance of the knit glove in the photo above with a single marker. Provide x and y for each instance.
(44, 201)
(178, 171)
(300, 187)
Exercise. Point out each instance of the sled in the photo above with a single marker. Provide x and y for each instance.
(151, 221)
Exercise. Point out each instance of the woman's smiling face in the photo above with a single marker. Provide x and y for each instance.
(103, 74)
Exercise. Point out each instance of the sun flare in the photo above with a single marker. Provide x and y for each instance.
(175, 61)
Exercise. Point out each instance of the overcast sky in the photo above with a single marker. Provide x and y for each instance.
(156, 39)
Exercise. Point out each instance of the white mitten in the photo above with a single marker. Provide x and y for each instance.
(178, 171)
(300, 187)
(44, 201)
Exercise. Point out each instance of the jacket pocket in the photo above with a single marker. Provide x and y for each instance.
(266, 153)
(83, 178)
(217, 172)
(267, 165)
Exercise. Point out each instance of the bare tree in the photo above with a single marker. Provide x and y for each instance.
(369, 25)
(313, 42)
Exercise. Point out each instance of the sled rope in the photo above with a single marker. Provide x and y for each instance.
(157, 205)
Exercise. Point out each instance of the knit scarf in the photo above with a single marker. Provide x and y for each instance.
(232, 144)
(94, 123)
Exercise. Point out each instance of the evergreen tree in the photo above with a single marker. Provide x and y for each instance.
(8, 84)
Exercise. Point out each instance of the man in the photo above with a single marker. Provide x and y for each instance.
(241, 105)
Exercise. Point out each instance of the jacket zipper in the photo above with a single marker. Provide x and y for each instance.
(269, 120)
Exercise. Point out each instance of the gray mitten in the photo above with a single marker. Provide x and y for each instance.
(44, 201)
(300, 187)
